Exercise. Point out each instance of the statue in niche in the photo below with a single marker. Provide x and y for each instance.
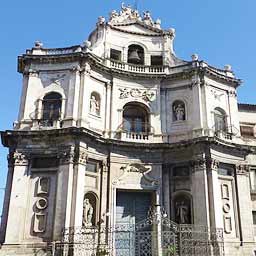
(94, 105)
(182, 213)
(87, 213)
(179, 111)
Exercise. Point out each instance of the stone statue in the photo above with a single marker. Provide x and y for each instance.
(182, 213)
(179, 112)
(147, 18)
(94, 106)
(87, 213)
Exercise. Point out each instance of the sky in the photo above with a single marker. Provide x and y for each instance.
(220, 32)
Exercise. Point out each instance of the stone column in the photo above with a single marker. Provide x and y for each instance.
(16, 198)
(200, 192)
(63, 209)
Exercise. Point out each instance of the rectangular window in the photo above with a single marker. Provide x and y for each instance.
(254, 217)
(92, 167)
(181, 171)
(247, 131)
(226, 170)
(45, 162)
(156, 60)
(115, 54)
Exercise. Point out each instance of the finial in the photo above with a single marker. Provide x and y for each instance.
(228, 68)
(194, 57)
(38, 44)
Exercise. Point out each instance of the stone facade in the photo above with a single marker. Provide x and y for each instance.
(122, 113)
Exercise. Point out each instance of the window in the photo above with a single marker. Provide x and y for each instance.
(156, 60)
(181, 171)
(135, 118)
(136, 54)
(51, 107)
(225, 169)
(45, 162)
(247, 131)
(220, 122)
(92, 167)
(115, 54)
(254, 217)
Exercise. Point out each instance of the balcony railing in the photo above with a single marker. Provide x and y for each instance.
(137, 68)
(136, 131)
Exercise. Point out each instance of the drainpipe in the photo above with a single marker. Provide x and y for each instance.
(238, 210)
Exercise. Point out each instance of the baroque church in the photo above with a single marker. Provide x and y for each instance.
(121, 148)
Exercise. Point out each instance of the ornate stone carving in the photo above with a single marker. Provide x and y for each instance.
(217, 96)
(135, 168)
(20, 158)
(127, 14)
(82, 157)
(67, 156)
(58, 79)
(146, 95)
(242, 169)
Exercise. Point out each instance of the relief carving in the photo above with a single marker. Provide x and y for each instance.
(146, 95)
(20, 159)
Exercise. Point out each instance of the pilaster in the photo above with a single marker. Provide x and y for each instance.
(200, 191)
(18, 189)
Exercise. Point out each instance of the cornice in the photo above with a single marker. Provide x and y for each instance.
(12, 138)
(97, 63)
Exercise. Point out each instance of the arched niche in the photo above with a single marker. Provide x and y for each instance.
(90, 210)
(182, 208)
(95, 103)
(178, 111)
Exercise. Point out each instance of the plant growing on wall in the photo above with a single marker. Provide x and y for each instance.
(170, 251)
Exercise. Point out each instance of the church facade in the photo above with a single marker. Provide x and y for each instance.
(118, 126)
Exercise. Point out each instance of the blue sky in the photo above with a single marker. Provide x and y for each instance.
(221, 32)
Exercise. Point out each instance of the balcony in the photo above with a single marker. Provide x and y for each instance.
(135, 132)
(137, 68)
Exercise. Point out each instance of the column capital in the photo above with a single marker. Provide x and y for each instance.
(67, 155)
(242, 169)
(18, 159)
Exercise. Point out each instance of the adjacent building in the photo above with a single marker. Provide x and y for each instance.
(119, 125)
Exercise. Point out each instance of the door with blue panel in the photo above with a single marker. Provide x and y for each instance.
(131, 208)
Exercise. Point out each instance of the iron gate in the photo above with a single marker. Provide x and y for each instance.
(155, 236)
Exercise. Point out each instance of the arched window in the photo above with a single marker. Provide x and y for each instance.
(220, 120)
(136, 54)
(182, 206)
(89, 210)
(51, 106)
(178, 110)
(135, 118)
(95, 104)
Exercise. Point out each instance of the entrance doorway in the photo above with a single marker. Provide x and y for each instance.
(131, 208)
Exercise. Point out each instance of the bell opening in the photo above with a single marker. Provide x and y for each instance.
(136, 55)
